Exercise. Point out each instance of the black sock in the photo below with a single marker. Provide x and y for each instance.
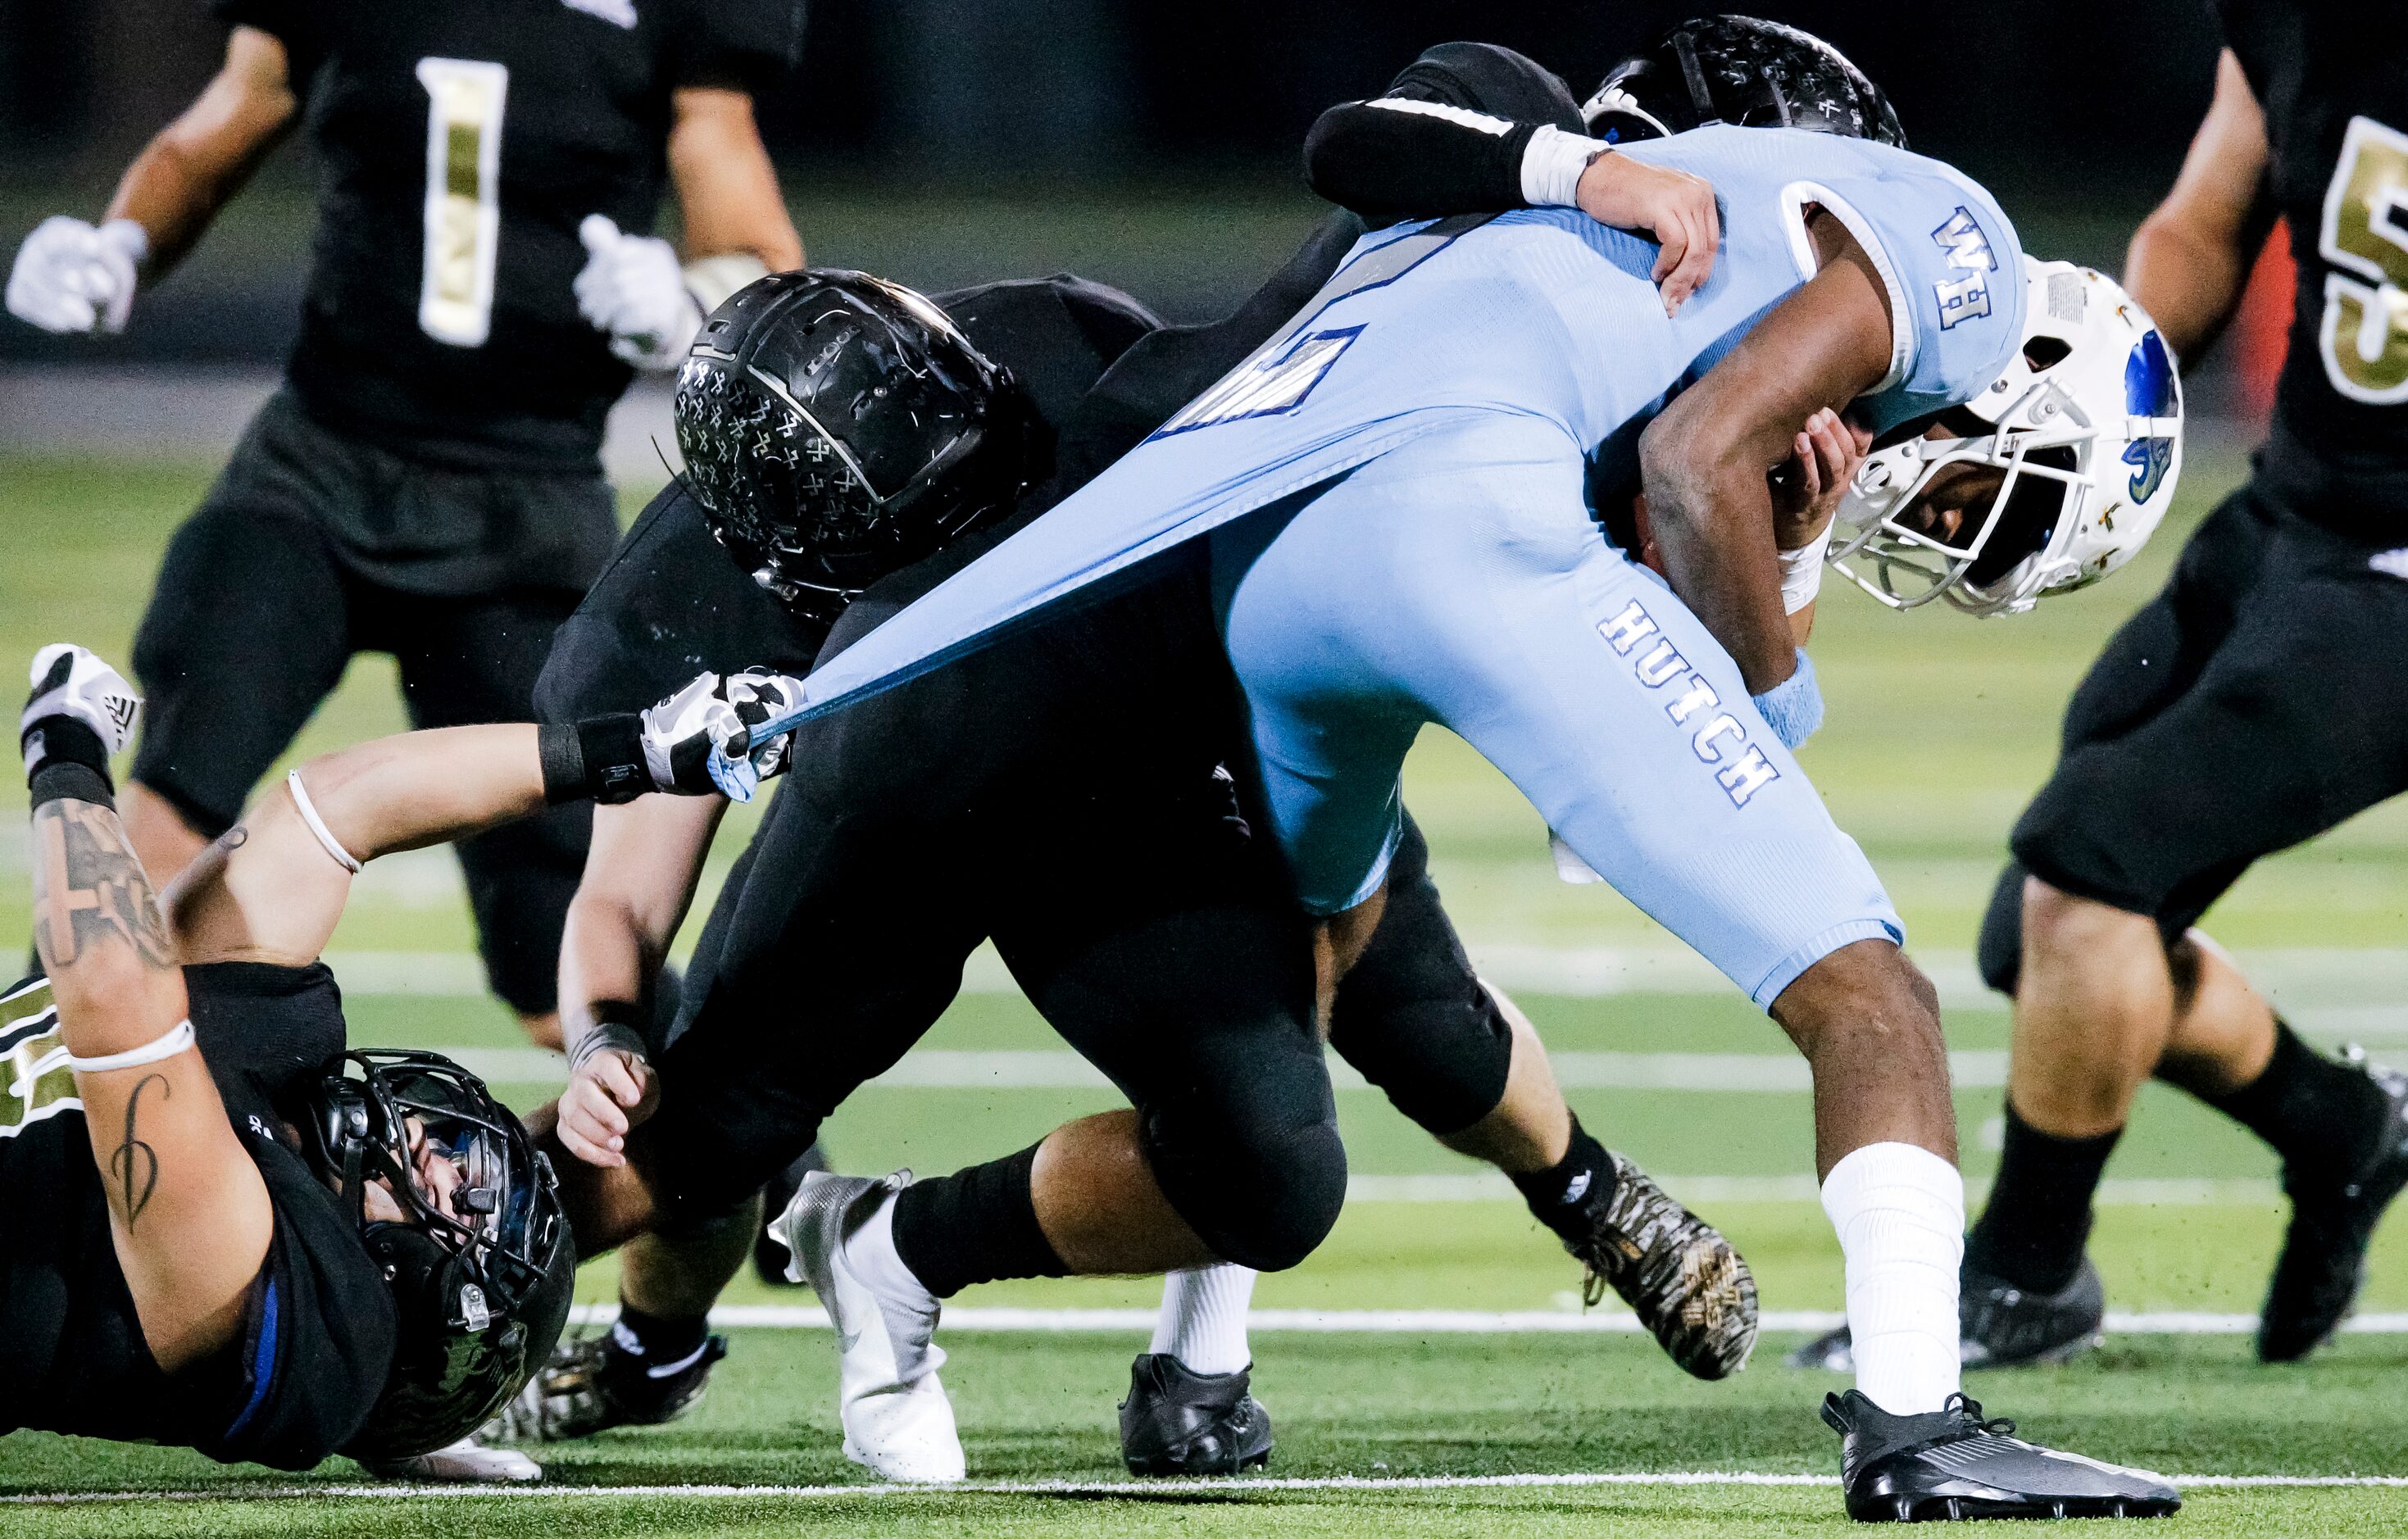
(976, 1225)
(1564, 1194)
(660, 1339)
(2032, 1232)
(2321, 1117)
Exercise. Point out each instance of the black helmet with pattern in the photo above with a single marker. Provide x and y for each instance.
(1739, 70)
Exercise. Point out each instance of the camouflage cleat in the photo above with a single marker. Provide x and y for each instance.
(1685, 1281)
(594, 1384)
(2324, 1250)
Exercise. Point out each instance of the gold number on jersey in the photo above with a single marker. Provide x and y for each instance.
(35, 1083)
(464, 206)
(2364, 336)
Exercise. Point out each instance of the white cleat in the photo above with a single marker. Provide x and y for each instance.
(465, 1462)
(897, 1418)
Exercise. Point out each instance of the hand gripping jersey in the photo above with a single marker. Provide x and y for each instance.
(1543, 315)
(2332, 78)
(318, 1336)
(460, 142)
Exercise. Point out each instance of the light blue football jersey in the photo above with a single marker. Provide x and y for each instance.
(1541, 314)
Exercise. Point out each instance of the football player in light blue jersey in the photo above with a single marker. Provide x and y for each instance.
(1396, 490)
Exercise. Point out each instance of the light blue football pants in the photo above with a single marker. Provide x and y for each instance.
(1459, 580)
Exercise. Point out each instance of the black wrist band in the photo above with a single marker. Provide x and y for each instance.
(64, 780)
(601, 758)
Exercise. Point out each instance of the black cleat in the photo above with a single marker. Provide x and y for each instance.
(1950, 1465)
(2324, 1251)
(1179, 1422)
(1998, 1325)
(769, 1255)
(594, 1384)
(1685, 1281)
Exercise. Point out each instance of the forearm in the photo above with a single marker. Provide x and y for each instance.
(727, 189)
(426, 788)
(1712, 523)
(173, 198)
(195, 164)
(2190, 280)
(638, 884)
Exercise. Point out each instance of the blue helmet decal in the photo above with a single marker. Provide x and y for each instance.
(2149, 391)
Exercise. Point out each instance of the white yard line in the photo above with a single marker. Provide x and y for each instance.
(1425, 1323)
(1089, 1488)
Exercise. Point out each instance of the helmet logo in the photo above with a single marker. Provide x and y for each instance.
(2149, 391)
(1967, 251)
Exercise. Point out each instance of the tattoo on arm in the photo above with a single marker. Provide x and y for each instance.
(89, 889)
(133, 1162)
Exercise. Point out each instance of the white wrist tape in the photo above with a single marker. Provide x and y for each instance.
(174, 1040)
(318, 825)
(711, 280)
(1802, 572)
(1552, 167)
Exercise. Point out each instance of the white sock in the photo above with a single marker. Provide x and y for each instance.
(1899, 1211)
(871, 1252)
(1203, 1319)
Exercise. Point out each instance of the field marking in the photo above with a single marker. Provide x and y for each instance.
(2359, 986)
(1607, 1321)
(1151, 1490)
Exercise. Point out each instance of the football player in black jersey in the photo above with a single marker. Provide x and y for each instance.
(2255, 704)
(1450, 1052)
(427, 482)
(223, 1231)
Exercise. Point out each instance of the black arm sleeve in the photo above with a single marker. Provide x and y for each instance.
(1387, 163)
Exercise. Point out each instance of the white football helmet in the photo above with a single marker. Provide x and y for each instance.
(2086, 422)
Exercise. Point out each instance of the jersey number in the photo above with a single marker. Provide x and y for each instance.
(464, 206)
(2364, 336)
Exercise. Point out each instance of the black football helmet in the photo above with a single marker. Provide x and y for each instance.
(481, 1272)
(836, 427)
(1739, 70)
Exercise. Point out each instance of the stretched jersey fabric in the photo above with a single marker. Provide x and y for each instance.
(459, 143)
(318, 1336)
(1539, 313)
(2332, 78)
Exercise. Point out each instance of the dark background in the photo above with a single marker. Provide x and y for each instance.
(1148, 144)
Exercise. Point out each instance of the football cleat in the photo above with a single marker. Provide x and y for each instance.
(594, 1384)
(1178, 1422)
(2324, 1251)
(2000, 1325)
(1951, 1464)
(468, 1461)
(769, 1257)
(897, 1418)
(1685, 1281)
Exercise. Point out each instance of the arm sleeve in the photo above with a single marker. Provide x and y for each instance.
(1467, 128)
(749, 45)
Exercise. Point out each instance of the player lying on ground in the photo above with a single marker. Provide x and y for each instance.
(427, 481)
(2252, 705)
(1412, 451)
(1068, 778)
(225, 1233)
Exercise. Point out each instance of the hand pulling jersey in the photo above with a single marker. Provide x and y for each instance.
(460, 144)
(2332, 79)
(318, 1336)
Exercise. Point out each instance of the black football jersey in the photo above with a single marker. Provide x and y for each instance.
(672, 603)
(459, 145)
(2332, 77)
(317, 1339)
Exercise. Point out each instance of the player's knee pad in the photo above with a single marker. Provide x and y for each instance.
(1442, 1060)
(1264, 1198)
(2000, 953)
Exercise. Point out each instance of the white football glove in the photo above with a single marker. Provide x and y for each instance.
(632, 288)
(70, 276)
(72, 683)
(699, 740)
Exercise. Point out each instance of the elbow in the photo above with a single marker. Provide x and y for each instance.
(1671, 456)
(1321, 153)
